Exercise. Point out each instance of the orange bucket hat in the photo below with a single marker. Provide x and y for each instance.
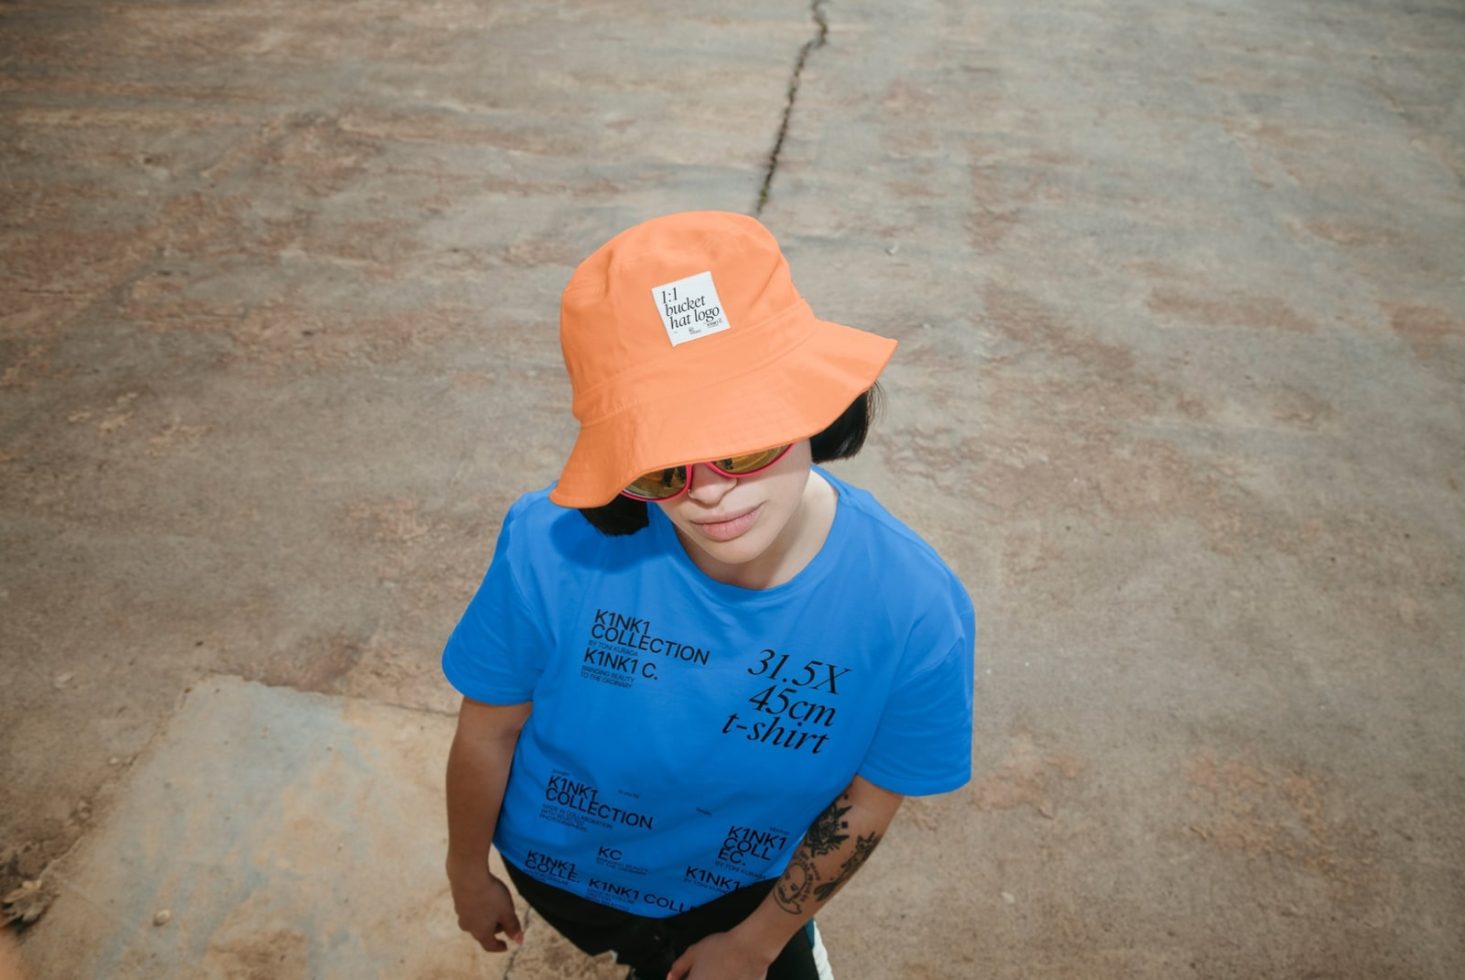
(685, 340)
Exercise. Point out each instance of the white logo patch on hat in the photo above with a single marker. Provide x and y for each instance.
(690, 309)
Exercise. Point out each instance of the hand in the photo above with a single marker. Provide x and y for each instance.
(485, 907)
(721, 956)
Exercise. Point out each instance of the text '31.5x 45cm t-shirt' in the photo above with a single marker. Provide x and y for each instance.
(685, 732)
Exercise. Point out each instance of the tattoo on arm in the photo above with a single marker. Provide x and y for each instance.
(863, 846)
(824, 835)
(797, 883)
(801, 879)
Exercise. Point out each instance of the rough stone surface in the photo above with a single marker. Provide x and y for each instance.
(286, 834)
(1181, 297)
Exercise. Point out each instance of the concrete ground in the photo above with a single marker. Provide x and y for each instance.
(1180, 291)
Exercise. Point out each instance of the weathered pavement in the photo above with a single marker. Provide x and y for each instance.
(1180, 297)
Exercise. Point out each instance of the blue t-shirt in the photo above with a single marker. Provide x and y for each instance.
(685, 732)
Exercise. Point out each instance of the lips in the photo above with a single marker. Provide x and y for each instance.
(728, 528)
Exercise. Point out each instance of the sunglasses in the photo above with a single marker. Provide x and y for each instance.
(677, 480)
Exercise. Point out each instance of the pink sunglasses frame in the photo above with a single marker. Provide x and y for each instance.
(692, 468)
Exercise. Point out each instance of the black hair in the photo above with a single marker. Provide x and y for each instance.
(840, 440)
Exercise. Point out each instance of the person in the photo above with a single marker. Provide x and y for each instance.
(701, 672)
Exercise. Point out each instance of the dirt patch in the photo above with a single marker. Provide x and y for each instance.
(320, 665)
(1063, 406)
(1233, 310)
(1260, 812)
(1027, 777)
(280, 954)
(1347, 234)
(1425, 328)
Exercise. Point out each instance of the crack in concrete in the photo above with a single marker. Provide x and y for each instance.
(816, 10)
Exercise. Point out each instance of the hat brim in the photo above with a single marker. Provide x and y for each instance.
(794, 397)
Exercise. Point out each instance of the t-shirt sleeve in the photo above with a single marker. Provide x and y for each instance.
(923, 744)
(496, 653)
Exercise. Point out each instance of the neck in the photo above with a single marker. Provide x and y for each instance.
(793, 549)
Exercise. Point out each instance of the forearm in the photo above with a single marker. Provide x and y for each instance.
(835, 847)
(475, 789)
(478, 772)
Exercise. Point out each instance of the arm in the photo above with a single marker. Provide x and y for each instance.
(478, 771)
(836, 845)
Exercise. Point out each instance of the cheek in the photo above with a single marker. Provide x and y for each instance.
(785, 491)
(669, 511)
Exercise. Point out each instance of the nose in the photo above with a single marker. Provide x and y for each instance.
(708, 485)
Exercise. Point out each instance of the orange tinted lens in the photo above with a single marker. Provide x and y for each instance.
(748, 462)
(660, 483)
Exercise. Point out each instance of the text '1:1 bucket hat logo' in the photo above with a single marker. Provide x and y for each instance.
(690, 309)
(685, 340)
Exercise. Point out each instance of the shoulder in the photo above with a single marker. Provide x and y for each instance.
(924, 600)
(888, 540)
(536, 532)
(534, 512)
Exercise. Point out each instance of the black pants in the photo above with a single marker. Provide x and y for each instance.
(650, 946)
